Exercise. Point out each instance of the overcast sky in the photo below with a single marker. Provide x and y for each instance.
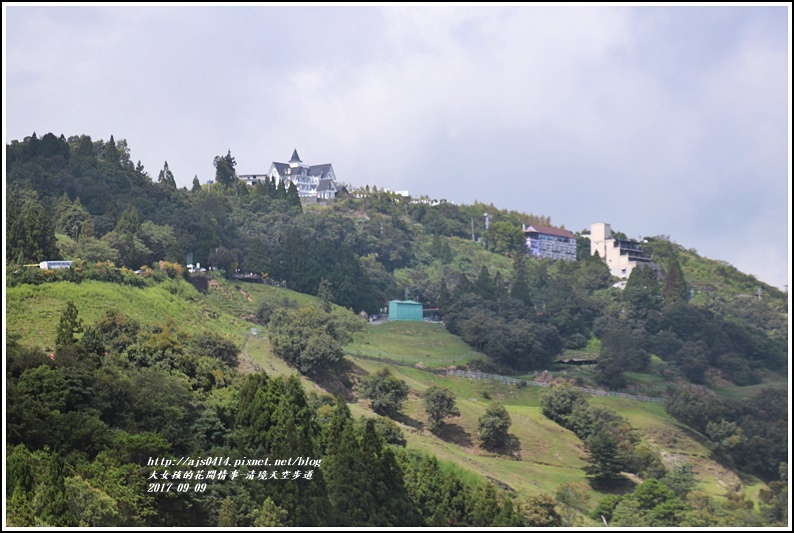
(658, 120)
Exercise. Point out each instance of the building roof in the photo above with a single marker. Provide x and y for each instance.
(325, 185)
(317, 171)
(281, 168)
(295, 158)
(548, 230)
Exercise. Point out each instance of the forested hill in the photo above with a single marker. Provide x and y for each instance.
(87, 200)
(142, 379)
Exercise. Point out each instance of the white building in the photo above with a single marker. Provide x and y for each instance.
(312, 181)
(621, 256)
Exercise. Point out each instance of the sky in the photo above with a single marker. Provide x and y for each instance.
(659, 120)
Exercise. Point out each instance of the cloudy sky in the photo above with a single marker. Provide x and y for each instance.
(658, 120)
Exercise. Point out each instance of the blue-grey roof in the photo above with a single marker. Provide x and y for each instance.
(325, 185)
(295, 158)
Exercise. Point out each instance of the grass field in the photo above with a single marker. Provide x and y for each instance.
(34, 311)
(413, 343)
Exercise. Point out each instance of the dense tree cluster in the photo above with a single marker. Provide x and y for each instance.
(311, 339)
(749, 434)
(523, 323)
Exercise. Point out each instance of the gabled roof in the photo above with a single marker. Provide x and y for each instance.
(281, 168)
(548, 230)
(295, 158)
(325, 185)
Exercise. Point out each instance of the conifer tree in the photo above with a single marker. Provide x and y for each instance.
(603, 461)
(54, 509)
(293, 198)
(519, 288)
(270, 515)
(166, 177)
(227, 517)
(68, 326)
(111, 153)
(675, 289)
(281, 191)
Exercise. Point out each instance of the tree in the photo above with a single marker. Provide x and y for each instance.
(439, 404)
(54, 510)
(270, 515)
(386, 393)
(211, 344)
(68, 326)
(540, 511)
(603, 461)
(73, 219)
(519, 288)
(292, 195)
(224, 259)
(504, 237)
(675, 289)
(196, 185)
(224, 169)
(110, 153)
(227, 516)
(574, 497)
(30, 234)
(440, 249)
(129, 222)
(325, 294)
(310, 338)
(166, 177)
(642, 289)
(493, 426)
(559, 401)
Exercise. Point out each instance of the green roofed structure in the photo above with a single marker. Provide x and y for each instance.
(405, 310)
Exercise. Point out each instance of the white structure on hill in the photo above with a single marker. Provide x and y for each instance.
(312, 181)
(621, 256)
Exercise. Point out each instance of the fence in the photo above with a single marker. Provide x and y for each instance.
(516, 381)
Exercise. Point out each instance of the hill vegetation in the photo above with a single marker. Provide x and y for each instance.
(150, 361)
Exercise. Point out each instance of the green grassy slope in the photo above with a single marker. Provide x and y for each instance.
(549, 455)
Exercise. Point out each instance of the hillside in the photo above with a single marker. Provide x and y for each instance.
(548, 456)
(145, 358)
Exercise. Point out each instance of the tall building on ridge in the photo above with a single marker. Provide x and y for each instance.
(312, 181)
(620, 255)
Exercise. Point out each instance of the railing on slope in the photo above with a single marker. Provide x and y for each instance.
(516, 381)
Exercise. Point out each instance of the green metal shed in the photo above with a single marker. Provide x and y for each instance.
(405, 310)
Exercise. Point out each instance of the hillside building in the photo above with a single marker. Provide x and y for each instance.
(312, 181)
(545, 242)
(620, 255)
(405, 310)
